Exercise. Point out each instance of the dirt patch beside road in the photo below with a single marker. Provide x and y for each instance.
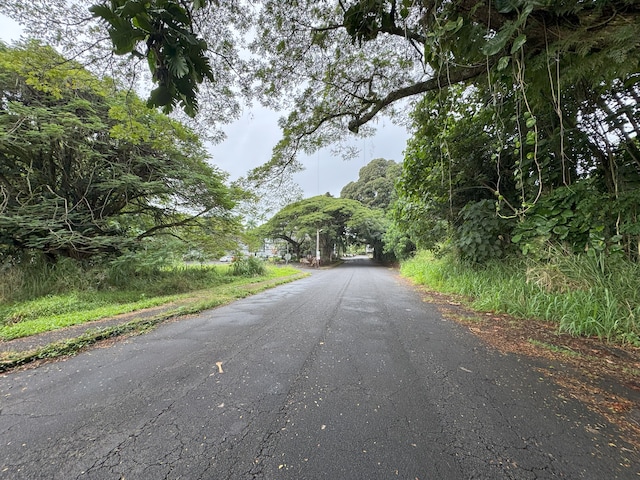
(603, 376)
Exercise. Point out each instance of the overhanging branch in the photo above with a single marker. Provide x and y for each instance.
(449, 77)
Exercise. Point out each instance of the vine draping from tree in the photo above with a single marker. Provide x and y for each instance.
(336, 65)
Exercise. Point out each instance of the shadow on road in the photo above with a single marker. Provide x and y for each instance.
(360, 261)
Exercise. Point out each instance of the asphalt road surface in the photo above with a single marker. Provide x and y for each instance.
(346, 374)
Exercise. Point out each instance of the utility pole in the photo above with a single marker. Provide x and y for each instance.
(318, 245)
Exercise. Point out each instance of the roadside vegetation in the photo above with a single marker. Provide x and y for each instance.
(523, 157)
(585, 294)
(39, 297)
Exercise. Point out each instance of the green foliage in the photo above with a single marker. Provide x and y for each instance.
(375, 186)
(583, 218)
(152, 256)
(335, 221)
(33, 277)
(365, 19)
(94, 171)
(546, 164)
(481, 235)
(342, 64)
(416, 221)
(449, 178)
(587, 296)
(248, 266)
(176, 56)
(397, 242)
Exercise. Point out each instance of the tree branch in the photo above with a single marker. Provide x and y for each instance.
(181, 223)
(447, 78)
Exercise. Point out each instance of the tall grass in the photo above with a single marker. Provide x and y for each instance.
(34, 278)
(37, 296)
(247, 267)
(590, 295)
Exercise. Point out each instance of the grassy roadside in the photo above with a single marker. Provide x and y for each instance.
(44, 315)
(583, 295)
(548, 312)
(38, 314)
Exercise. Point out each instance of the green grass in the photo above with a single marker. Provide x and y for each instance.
(44, 322)
(555, 348)
(585, 295)
(192, 288)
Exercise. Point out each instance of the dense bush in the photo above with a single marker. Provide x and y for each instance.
(247, 267)
(481, 235)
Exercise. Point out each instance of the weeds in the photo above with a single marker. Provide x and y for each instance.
(247, 267)
(589, 295)
(51, 296)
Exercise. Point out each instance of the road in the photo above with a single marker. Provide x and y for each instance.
(347, 374)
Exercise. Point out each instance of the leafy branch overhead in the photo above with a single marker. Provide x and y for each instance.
(338, 68)
(338, 65)
(177, 56)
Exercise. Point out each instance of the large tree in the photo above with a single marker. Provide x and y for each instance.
(334, 221)
(337, 64)
(375, 186)
(88, 169)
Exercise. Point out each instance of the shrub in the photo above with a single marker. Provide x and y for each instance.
(247, 267)
(482, 235)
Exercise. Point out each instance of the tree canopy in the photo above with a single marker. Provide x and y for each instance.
(515, 101)
(336, 65)
(89, 169)
(337, 221)
(375, 186)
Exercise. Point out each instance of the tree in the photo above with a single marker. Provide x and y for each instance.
(450, 166)
(344, 63)
(335, 220)
(560, 78)
(481, 167)
(375, 186)
(190, 53)
(336, 65)
(87, 169)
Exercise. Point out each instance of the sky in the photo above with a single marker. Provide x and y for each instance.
(251, 138)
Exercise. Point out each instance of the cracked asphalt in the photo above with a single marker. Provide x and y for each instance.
(346, 374)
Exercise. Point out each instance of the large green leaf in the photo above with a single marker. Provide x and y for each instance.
(178, 64)
(518, 43)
